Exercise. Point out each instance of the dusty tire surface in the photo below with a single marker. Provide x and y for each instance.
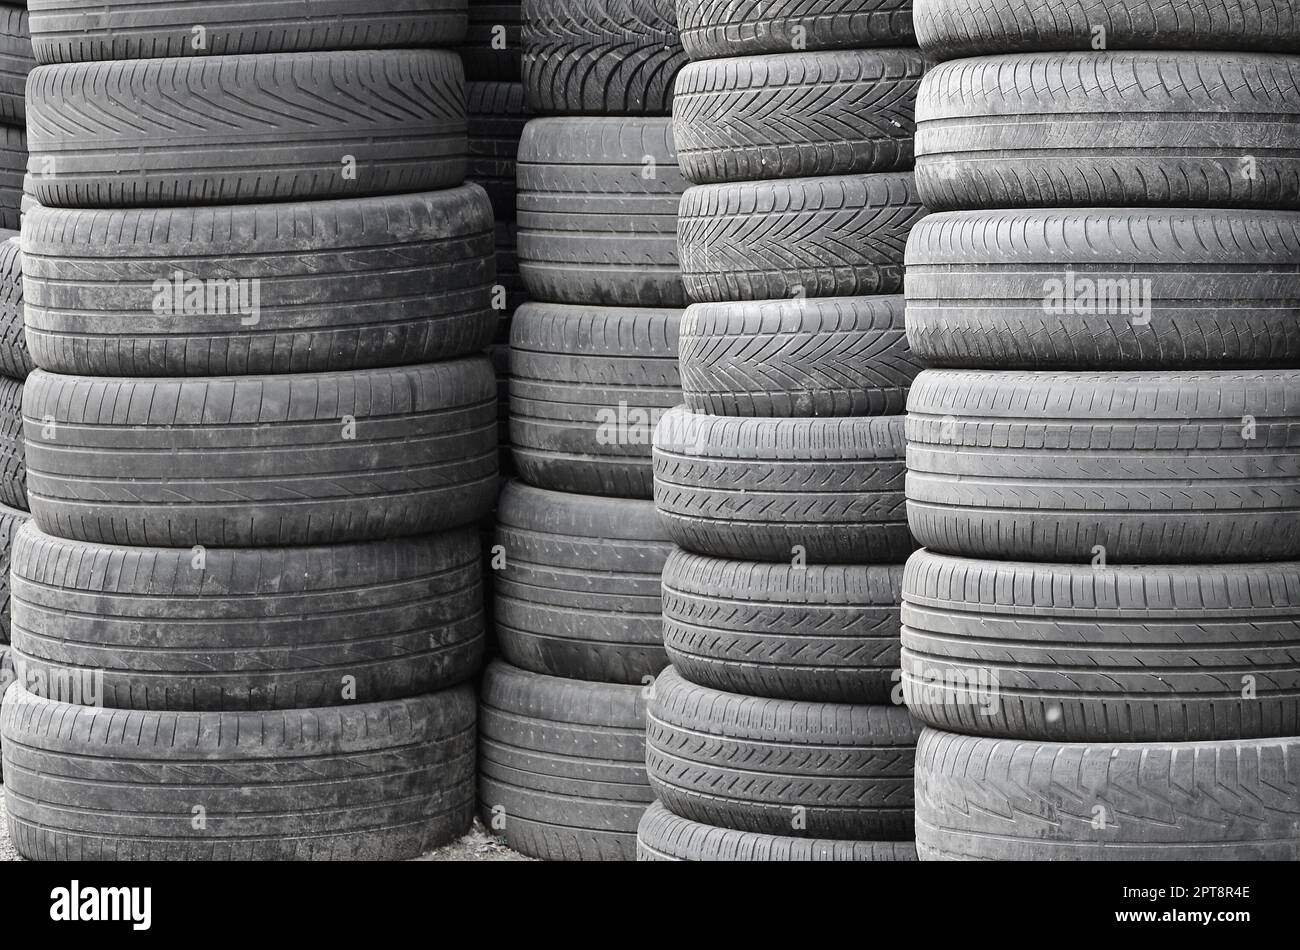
(15, 63)
(579, 595)
(1008, 800)
(293, 126)
(562, 764)
(13, 163)
(374, 781)
(11, 519)
(780, 767)
(267, 460)
(15, 360)
(713, 28)
(1181, 129)
(1105, 288)
(298, 627)
(13, 453)
(825, 490)
(1131, 468)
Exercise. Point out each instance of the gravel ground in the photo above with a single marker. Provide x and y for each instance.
(475, 846)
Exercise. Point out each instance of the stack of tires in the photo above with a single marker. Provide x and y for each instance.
(593, 365)
(248, 603)
(1105, 470)
(15, 63)
(776, 735)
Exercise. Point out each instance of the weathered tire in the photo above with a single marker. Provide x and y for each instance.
(13, 454)
(235, 129)
(601, 57)
(797, 115)
(340, 285)
(597, 212)
(951, 28)
(1192, 467)
(497, 116)
(821, 633)
(779, 767)
(579, 594)
(662, 836)
(74, 31)
(494, 41)
(562, 764)
(262, 460)
(236, 629)
(712, 28)
(1004, 800)
(588, 386)
(1146, 129)
(15, 63)
(842, 236)
(11, 519)
(1095, 654)
(830, 356)
(828, 490)
(15, 360)
(1105, 288)
(375, 781)
(13, 162)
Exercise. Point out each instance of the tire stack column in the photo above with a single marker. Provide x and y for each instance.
(248, 603)
(777, 734)
(593, 365)
(1104, 467)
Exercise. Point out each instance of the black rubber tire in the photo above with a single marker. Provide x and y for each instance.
(601, 57)
(264, 460)
(15, 63)
(15, 359)
(13, 162)
(829, 356)
(376, 781)
(235, 129)
(780, 767)
(562, 764)
(75, 31)
(1111, 288)
(1147, 129)
(759, 489)
(588, 386)
(494, 41)
(13, 461)
(819, 633)
(342, 285)
(842, 236)
(1005, 800)
(953, 28)
(284, 628)
(597, 212)
(662, 836)
(497, 117)
(712, 28)
(1150, 467)
(11, 519)
(1092, 654)
(579, 594)
(797, 115)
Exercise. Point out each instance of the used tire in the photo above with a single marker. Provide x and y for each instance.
(262, 460)
(562, 765)
(828, 490)
(1105, 288)
(13, 453)
(842, 236)
(579, 594)
(778, 767)
(15, 360)
(588, 386)
(1004, 800)
(15, 63)
(601, 57)
(1095, 654)
(1147, 129)
(235, 629)
(493, 41)
(13, 162)
(821, 633)
(829, 356)
(497, 117)
(11, 519)
(376, 781)
(662, 836)
(270, 128)
(597, 212)
(332, 285)
(1194, 467)
(74, 31)
(797, 115)
(953, 28)
(712, 28)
